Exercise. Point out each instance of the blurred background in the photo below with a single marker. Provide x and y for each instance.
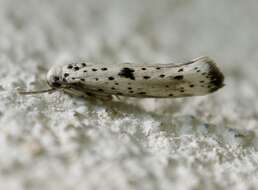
(54, 141)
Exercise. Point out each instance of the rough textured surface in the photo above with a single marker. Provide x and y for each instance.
(53, 141)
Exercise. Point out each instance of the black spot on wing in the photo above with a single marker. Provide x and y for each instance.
(146, 77)
(76, 68)
(69, 67)
(191, 85)
(127, 73)
(179, 77)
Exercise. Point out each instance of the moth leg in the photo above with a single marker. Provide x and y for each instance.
(117, 97)
(102, 97)
(81, 90)
(87, 94)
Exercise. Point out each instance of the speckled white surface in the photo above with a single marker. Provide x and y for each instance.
(53, 141)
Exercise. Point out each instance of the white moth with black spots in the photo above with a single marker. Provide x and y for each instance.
(198, 77)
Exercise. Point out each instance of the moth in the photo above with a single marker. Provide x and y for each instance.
(198, 77)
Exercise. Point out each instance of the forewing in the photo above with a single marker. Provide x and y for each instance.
(194, 78)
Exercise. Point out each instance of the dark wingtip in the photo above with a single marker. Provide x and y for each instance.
(215, 75)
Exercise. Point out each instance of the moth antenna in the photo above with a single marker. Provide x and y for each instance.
(37, 92)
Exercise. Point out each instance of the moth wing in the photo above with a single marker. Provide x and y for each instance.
(194, 78)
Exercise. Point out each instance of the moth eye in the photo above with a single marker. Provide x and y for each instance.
(56, 78)
(56, 84)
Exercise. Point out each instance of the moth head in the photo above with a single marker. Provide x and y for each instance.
(54, 80)
(54, 77)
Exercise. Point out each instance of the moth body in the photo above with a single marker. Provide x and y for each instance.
(195, 78)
